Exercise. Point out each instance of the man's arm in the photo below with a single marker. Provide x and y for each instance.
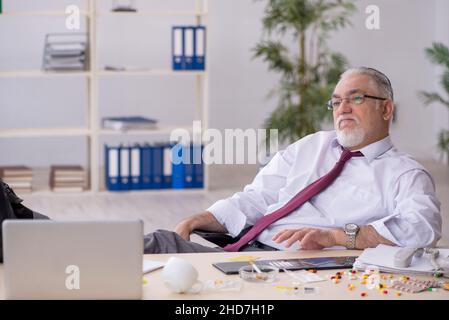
(367, 237)
(246, 207)
(317, 239)
(204, 220)
(415, 221)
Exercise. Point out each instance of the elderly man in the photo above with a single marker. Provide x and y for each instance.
(349, 187)
(375, 195)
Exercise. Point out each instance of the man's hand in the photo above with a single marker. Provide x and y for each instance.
(317, 239)
(204, 220)
(184, 229)
(310, 238)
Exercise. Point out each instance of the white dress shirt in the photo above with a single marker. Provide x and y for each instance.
(385, 188)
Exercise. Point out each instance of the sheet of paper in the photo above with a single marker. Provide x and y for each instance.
(383, 257)
(150, 265)
(305, 276)
(243, 258)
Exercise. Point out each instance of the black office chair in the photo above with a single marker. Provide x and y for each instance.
(219, 238)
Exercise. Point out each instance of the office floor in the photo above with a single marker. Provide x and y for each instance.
(163, 209)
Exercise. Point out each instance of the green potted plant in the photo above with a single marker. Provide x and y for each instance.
(439, 54)
(294, 45)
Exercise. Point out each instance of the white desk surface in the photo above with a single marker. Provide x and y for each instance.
(155, 289)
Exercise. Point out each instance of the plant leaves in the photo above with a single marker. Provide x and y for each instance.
(305, 85)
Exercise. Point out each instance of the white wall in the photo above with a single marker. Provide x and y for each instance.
(397, 49)
(238, 84)
(406, 28)
(440, 113)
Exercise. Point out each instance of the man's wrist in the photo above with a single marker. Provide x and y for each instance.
(339, 237)
(197, 221)
(188, 224)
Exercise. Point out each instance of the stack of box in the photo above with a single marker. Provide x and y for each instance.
(65, 52)
(67, 178)
(19, 178)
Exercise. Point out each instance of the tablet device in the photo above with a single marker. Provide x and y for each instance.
(291, 264)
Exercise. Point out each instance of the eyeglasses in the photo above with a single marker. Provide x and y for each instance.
(354, 99)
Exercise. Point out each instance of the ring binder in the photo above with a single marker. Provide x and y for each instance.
(200, 42)
(136, 182)
(178, 48)
(188, 47)
(112, 168)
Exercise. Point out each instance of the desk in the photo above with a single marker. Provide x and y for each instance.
(154, 289)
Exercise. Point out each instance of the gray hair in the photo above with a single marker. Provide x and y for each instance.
(382, 82)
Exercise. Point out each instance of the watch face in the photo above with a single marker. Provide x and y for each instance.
(351, 227)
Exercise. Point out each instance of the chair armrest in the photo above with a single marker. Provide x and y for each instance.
(219, 238)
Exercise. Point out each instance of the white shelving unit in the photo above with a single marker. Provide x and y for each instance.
(92, 130)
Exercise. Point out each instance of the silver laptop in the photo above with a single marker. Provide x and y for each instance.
(72, 260)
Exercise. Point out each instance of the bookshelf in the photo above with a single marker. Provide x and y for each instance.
(92, 129)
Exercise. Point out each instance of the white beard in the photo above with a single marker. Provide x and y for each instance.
(350, 138)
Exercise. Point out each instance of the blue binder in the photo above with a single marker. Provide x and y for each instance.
(112, 165)
(125, 168)
(146, 160)
(188, 166)
(178, 57)
(189, 48)
(199, 59)
(198, 167)
(157, 166)
(167, 167)
(135, 170)
(178, 155)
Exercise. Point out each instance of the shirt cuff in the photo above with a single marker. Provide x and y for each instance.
(228, 216)
(381, 229)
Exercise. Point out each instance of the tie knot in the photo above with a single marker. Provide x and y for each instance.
(347, 154)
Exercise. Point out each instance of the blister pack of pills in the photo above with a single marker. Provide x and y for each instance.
(414, 285)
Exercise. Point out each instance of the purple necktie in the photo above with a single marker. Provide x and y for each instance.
(300, 198)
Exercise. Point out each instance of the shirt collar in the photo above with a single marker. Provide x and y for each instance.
(373, 150)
